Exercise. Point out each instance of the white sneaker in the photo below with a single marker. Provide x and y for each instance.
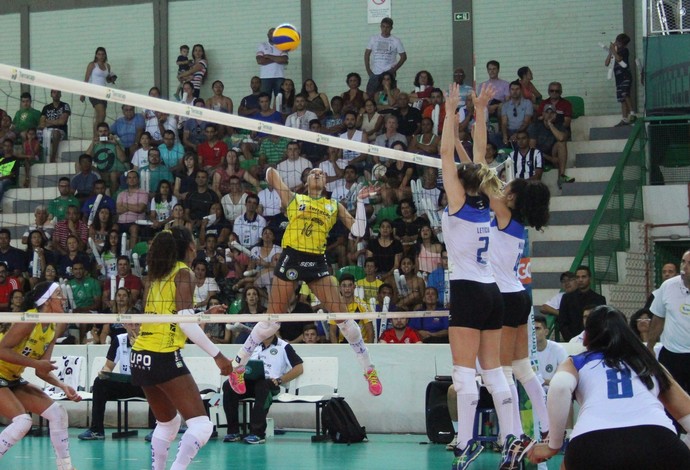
(453, 444)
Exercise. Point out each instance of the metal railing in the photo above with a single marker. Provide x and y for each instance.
(666, 17)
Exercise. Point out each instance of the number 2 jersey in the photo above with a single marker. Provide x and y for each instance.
(611, 398)
(466, 234)
(310, 221)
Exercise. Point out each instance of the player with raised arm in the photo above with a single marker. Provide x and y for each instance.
(310, 218)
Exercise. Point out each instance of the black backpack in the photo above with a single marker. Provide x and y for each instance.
(341, 423)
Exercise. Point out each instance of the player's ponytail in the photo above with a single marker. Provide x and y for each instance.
(168, 247)
(531, 202)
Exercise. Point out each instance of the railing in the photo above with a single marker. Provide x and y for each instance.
(667, 17)
(609, 230)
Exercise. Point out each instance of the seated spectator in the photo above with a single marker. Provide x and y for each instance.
(102, 225)
(212, 151)
(346, 189)
(185, 178)
(580, 338)
(400, 171)
(409, 117)
(410, 289)
(301, 116)
(8, 284)
(87, 295)
(229, 167)
(162, 203)
(262, 263)
(107, 202)
(437, 280)
(423, 86)
(389, 136)
(216, 332)
(82, 184)
(215, 224)
(269, 203)
(250, 103)
(369, 120)
(400, 333)
(171, 151)
(551, 139)
(6, 131)
(234, 201)
(310, 334)
(198, 202)
(640, 322)
(132, 205)
(104, 389)
(370, 284)
(57, 208)
(354, 97)
(155, 122)
(250, 224)
(387, 208)
(387, 94)
(501, 87)
(351, 157)
(128, 128)
(53, 122)
(219, 102)
(206, 286)
(271, 152)
(287, 97)
(528, 161)
(16, 301)
(9, 169)
(108, 156)
(194, 130)
(30, 153)
(529, 91)
(386, 250)
(332, 168)
(333, 119)
(112, 249)
(549, 353)
(428, 250)
(140, 158)
(73, 255)
(251, 305)
(123, 305)
(317, 102)
(41, 224)
(281, 365)
(291, 168)
(552, 306)
(516, 115)
(430, 329)
(313, 152)
(354, 305)
(425, 142)
(179, 219)
(26, 116)
(406, 228)
(154, 173)
(72, 225)
(124, 278)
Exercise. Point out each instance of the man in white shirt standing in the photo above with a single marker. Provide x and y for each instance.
(385, 48)
(272, 62)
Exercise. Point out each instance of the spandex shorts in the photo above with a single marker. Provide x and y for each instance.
(633, 448)
(94, 102)
(516, 308)
(4, 383)
(475, 305)
(153, 368)
(295, 265)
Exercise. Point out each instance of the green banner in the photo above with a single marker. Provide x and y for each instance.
(667, 73)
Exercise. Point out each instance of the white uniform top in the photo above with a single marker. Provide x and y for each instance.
(122, 354)
(505, 253)
(550, 358)
(611, 398)
(351, 154)
(272, 70)
(384, 52)
(672, 302)
(467, 239)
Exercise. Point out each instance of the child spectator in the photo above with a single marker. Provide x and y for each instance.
(31, 153)
(183, 65)
(618, 51)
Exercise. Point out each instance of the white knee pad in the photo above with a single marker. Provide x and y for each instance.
(463, 380)
(167, 431)
(495, 381)
(200, 427)
(523, 370)
(57, 416)
(508, 372)
(20, 426)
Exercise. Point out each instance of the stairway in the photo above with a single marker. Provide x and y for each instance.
(592, 155)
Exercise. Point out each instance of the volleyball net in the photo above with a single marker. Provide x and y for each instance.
(238, 251)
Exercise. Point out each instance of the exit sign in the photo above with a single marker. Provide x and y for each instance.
(461, 16)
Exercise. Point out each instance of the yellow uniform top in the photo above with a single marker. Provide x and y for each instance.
(310, 221)
(160, 300)
(34, 346)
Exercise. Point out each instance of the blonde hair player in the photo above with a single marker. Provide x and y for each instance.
(31, 345)
(310, 218)
(157, 365)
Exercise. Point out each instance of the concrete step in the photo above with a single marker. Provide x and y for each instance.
(580, 127)
(606, 133)
(28, 205)
(590, 175)
(574, 203)
(551, 264)
(69, 150)
(557, 248)
(583, 217)
(542, 295)
(560, 232)
(596, 146)
(597, 159)
(21, 200)
(581, 189)
(547, 280)
(70, 156)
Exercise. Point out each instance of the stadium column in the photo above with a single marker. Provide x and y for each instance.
(160, 49)
(463, 35)
(306, 45)
(24, 44)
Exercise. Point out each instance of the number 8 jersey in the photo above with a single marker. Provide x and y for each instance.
(466, 234)
(309, 222)
(611, 398)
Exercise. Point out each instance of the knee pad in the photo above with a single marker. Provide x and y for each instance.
(463, 380)
(523, 370)
(495, 381)
(57, 416)
(508, 372)
(20, 426)
(200, 427)
(167, 431)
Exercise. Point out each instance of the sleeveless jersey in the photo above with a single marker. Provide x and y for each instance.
(611, 398)
(310, 221)
(34, 347)
(467, 238)
(161, 337)
(98, 76)
(505, 253)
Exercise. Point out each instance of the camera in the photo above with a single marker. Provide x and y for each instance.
(112, 78)
(103, 138)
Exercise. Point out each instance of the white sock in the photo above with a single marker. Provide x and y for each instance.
(59, 435)
(497, 385)
(198, 432)
(353, 335)
(468, 397)
(455, 426)
(260, 332)
(163, 435)
(17, 429)
(517, 419)
(530, 382)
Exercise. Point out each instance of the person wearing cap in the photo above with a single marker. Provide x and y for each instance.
(551, 308)
(381, 55)
(31, 345)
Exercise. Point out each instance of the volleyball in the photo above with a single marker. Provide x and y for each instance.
(379, 171)
(286, 37)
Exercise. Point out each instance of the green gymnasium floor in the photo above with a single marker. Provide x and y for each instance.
(290, 451)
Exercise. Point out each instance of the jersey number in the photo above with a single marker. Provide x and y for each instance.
(619, 384)
(306, 230)
(482, 250)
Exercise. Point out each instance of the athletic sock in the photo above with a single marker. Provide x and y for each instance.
(198, 432)
(468, 397)
(163, 434)
(536, 395)
(497, 385)
(353, 335)
(259, 333)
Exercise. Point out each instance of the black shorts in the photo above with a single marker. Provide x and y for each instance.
(4, 383)
(295, 265)
(153, 368)
(94, 102)
(632, 448)
(623, 87)
(475, 305)
(516, 308)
